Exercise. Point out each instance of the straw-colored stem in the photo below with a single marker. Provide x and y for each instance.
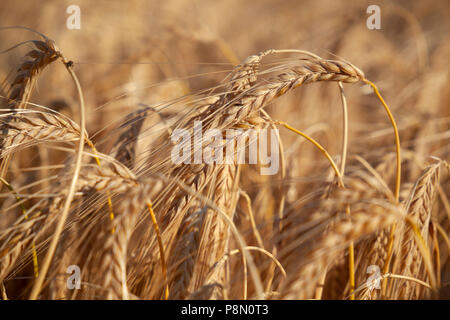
(59, 228)
(110, 205)
(397, 139)
(161, 248)
(397, 181)
(318, 146)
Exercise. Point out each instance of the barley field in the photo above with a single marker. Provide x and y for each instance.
(351, 202)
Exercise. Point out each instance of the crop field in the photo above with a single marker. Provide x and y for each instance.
(194, 149)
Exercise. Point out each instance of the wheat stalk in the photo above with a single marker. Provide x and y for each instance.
(419, 208)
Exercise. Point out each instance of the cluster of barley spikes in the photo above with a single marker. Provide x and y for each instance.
(139, 226)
